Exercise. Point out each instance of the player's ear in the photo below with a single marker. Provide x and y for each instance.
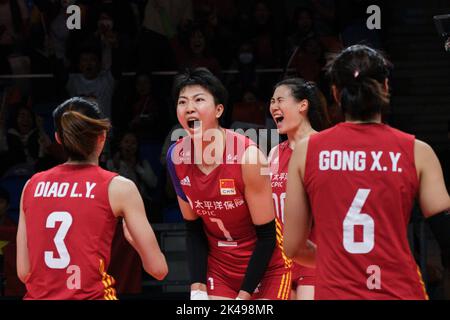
(219, 110)
(57, 138)
(303, 106)
(102, 137)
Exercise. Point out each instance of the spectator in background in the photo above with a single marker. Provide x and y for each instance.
(302, 27)
(352, 22)
(325, 22)
(245, 63)
(162, 19)
(267, 41)
(14, 26)
(217, 30)
(92, 82)
(146, 119)
(127, 162)
(309, 60)
(249, 109)
(197, 53)
(59, 33)
(125, 26)
(27, 141)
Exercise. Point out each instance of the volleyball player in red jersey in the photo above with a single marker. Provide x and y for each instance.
(297, 110)
(69, 213)
(359, 180)
(225, 200)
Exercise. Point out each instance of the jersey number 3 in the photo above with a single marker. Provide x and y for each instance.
(355, 217)
(64, 258)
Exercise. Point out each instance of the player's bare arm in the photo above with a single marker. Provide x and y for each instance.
(258, 195)
(23, 260)
(258, 192)
(126, 201)
(433, 195)
(297, 211)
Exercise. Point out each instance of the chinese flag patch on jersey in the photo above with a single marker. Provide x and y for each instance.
(227, 187)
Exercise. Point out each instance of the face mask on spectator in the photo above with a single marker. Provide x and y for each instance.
(246, 57)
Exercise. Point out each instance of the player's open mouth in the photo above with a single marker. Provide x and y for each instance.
(278, 119)
(193, 123)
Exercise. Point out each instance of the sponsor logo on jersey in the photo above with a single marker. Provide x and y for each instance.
(227, 187)
(186, 181)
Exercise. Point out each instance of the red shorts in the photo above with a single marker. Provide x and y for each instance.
(302, 276)
(271, 287)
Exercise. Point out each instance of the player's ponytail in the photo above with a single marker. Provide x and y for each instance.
(359, 74)
(79, 124)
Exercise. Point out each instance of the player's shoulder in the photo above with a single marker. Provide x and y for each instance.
(422, 151)
(399, 133)
(120, 183)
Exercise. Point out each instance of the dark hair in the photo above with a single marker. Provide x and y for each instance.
(358, 73)
(317, 108)
(78, 123)
(204, 78)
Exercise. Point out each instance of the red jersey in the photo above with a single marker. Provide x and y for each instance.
(70, 226)
(279, 164)
(361, 182)
(218, 198)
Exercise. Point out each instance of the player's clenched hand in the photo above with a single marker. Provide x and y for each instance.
(243, 295)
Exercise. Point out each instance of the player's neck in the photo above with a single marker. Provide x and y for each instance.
(375, 119)
(88, 161)
(303, 131)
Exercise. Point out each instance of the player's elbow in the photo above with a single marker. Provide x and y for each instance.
(22, 273)
(157, 268)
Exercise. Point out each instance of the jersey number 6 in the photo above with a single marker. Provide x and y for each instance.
(355, 217)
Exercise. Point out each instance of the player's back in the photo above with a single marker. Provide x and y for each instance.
(361, 181)
(70, 226)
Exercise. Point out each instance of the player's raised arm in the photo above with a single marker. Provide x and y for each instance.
(297, 212)
(258, 194)
(126, 201)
